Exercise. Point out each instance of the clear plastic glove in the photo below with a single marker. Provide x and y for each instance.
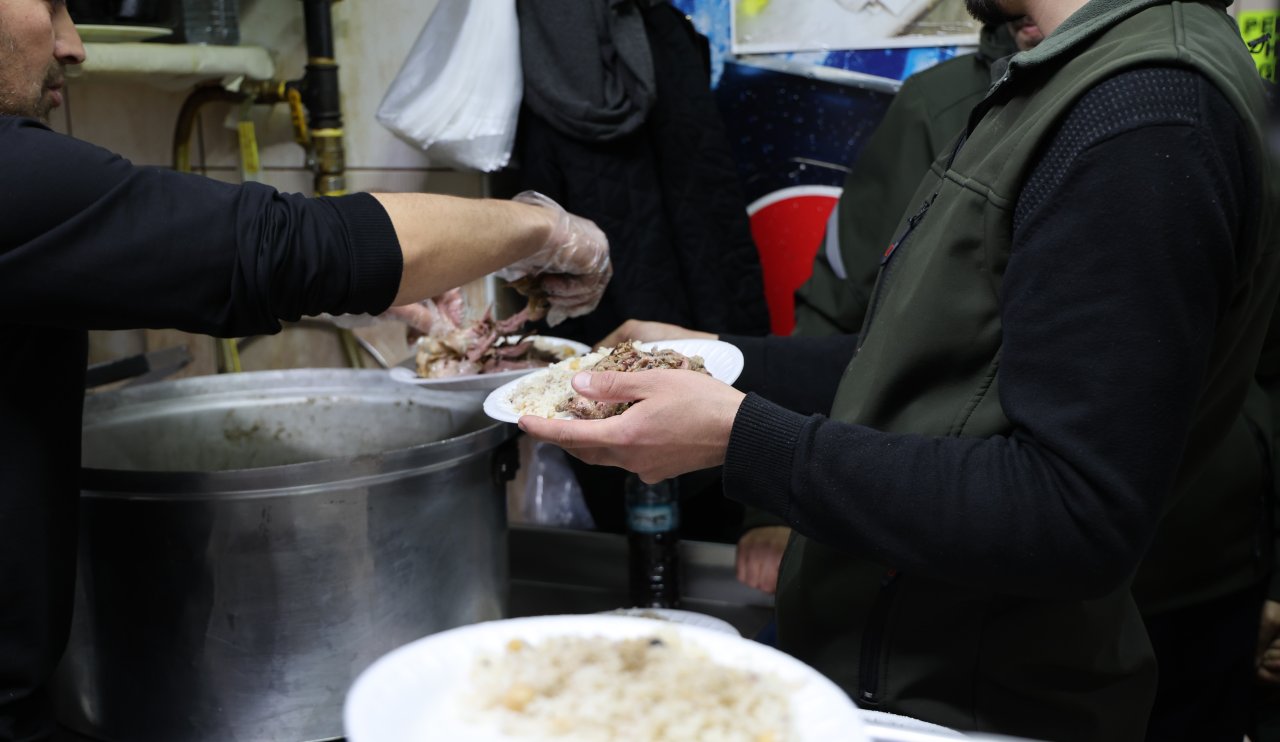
(437, 316)
(570, 271)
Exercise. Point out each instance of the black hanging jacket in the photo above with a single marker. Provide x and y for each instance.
(666, 192)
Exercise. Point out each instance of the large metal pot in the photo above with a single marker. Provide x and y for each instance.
(250, 542)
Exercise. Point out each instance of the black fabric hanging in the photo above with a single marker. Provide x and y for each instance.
(666, 192)
(589, 73)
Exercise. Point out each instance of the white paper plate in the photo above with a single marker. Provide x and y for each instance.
(407, 372)
(415, 693)
(879, 721)
(723, 360)
(97, 34)
(673, 615)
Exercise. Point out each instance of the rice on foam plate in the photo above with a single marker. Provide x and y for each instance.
(650, 688)
(539, 393)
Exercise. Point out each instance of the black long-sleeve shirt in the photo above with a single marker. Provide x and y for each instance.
(1123, 259)
(88, 241)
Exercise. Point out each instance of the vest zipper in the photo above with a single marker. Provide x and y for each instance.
(886, 266)
(873, 641)
(914, 221)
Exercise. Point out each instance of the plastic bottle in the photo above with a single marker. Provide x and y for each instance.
(211, 22)
(653, 522)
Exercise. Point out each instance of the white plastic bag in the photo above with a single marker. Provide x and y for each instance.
(551, 495)
(457, 96)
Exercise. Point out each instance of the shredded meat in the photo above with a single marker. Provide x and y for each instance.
(627, 357)
(456, 347)
(531, 287)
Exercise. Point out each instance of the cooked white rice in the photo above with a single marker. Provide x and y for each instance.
(653, 688)
(540, 392)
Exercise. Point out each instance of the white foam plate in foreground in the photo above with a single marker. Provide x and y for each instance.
(675, 615)
(407, 374)
(417, 692)
(722, 359)
(883, 725)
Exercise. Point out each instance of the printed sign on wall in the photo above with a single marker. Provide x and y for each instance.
(1258, 27)
(797, 119)
(766, 26)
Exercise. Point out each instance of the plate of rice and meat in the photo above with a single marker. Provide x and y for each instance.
(510, 357)
(549, 393)
(479, 353)
(594, 678)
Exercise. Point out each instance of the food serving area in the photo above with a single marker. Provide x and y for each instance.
(562, 571)
(252, 543)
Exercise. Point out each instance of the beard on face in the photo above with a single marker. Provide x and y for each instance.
(24, 97)
(44, 104)
(988, 11)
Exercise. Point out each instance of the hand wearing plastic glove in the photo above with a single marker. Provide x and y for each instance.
(570, 272)
(440, 315)
(437, 316)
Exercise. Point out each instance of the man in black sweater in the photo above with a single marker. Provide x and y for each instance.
(1203, 574)
(1063, 329)
(88, 241)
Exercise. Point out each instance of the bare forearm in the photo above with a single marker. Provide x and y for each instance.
(448, 241)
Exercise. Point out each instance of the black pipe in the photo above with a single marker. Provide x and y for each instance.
(319, 24)
(320, 96)
(320, 89)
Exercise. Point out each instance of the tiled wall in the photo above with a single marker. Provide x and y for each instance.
(372, 38)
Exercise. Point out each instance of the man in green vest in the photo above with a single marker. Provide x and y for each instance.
(1065, 324)
(1200, 588)
(924, 117)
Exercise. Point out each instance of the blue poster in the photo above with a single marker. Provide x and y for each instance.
(713, 19)
(789, 129)
(796, 122)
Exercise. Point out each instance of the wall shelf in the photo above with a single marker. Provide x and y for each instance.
(172, 66)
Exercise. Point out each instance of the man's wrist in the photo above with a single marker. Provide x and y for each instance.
(541, 217)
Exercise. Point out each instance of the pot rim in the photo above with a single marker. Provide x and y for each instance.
(284, 479)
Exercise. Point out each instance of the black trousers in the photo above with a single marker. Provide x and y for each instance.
(1205, 655)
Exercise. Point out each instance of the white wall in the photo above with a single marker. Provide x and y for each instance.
(372, 38)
